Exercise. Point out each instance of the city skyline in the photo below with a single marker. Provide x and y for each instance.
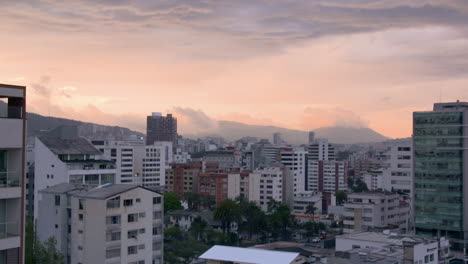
(294, 64)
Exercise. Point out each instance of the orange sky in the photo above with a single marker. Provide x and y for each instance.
(295, 64)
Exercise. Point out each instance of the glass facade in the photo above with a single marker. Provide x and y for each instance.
(438, 173)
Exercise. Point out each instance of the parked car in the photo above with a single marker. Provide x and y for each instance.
(315, 240)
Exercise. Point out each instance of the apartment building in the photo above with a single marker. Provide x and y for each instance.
(113, 223)
(183, 177)
(302, 201)
(321, 149)
(271, 183)
(375, 180)
(296, 161)
(12, 171)
(63, 157)
(375, 211)
(327, 176)
(137, 163)
(214, 184)
(398, 166)
(225, 159)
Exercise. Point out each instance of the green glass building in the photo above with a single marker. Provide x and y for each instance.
(440, 172)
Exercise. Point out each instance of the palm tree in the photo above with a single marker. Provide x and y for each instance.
(227, 212)
(198, 227)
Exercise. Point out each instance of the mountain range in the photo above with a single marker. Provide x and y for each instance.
(340, 135)
(38, 124)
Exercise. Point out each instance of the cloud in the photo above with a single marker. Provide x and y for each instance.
(42, 87)
(249, 28)
(315, 117)
(193, 122)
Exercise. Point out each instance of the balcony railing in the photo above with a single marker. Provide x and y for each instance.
(9, 179)
(9, 229)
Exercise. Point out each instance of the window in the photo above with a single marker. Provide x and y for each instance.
(132, 250)
(113, 236)
(155, 231)
(142, 231)
(137, 200)
(132, 234)
(132, 218)
(156, 200)
(80, 217)
(113, 203)
(112, 253)
(113, 220)
(57, 200)
(80, 204)
(143, 214)
(128, 202)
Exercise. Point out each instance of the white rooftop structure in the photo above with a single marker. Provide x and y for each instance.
(248, 255)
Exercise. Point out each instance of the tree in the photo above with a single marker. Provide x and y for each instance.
(341, 197)
(193, 200)
(208, 201)
(40, 253)
(279, 220)
(180, 248)
(197, 227)
(171, 202)
(227, 212)
(253, 219)
(360, 186)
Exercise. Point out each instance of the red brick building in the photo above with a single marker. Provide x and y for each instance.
(183, 177)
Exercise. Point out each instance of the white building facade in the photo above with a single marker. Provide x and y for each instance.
(137, 163)
(111, 224)
(296, 161)
(375, 211)
(68, 160)
(12, 171)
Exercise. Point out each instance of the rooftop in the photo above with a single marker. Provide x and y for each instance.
(85, 191)
(106, 191)
(393, 239)
(248, 255)
(69, 146)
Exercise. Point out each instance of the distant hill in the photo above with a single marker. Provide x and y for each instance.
(38, 124)
(339, 135)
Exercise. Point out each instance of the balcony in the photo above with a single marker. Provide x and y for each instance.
(9, 179)
(9, 229)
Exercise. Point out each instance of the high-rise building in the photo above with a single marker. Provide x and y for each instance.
(441, 172)
(12, 171)
(398, 166)
(113, 223)
(161, 128)
(321, 149)
(327, 176)
(278, 140)
(296, 161)
(311, 137)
